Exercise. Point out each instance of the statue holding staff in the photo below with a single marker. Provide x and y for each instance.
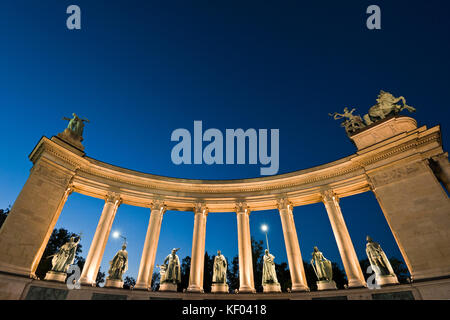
(269, 273)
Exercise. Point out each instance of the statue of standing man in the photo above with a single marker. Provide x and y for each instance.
(172, 275)
(118, 266)
(269, 279)
(219, 280)
(220, 269)
(380, 263)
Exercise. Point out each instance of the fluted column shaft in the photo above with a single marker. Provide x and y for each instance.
(144, 279)
(298, 277)
(97, 248)
(198, 250)
(246, 282)
(344, 242)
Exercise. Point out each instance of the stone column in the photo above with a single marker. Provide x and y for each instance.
(198, 249)
(144, 280)
(26, 231)
(246, 282)
(417, 210)
(298, 277)
(344, 242)
(97, 248)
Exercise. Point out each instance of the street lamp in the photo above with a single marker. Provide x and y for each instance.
(116, 234)
(265, 228)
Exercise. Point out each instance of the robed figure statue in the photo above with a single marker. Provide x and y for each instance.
(172, 268)
(65, 256)
(378, 260)
(269, 274)
(220, 269)
(76, 125)
(119, 264)
(322, 266)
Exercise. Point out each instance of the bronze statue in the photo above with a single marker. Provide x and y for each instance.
(322, 266)
(386, 105)
(172, 270)
(352, 123)
(76, 125)
(65, 256)
(220, 269)
(119, 264)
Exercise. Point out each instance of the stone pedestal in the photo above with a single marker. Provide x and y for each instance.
(219, 288)
(168, 286)
(114, 283)
(387, 280)
(383, 130)
(326, 285)
(56, 276)
(271, 287)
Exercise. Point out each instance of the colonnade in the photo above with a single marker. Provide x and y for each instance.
(246, 279)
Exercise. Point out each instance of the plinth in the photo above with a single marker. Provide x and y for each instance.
(114, 283)
(219, 288)
(271, 287)
(56, 276)
(326, 285)
(386, 280)
(168, 286)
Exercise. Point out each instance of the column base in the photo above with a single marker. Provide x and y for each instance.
(142, 286)
(56, 276)
(355, 283)
(114, 283)
(299, 288)
(219, 288)
(271, 287)
(387, 280)
(168, 286)
(195, 289)
(326, 285)
(247, 290)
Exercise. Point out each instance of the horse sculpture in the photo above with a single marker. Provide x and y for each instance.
(386, 105)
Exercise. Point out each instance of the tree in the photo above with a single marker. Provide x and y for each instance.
(100, 278)
(129, 282)
(233, 274)
(257, 257)
(339, 276)
(283, 275)
(4, 214)
(57, 239)
(208, 270)
(155, 281)
(185, 271)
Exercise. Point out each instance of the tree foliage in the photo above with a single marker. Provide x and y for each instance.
(3, 215)
(129, 282)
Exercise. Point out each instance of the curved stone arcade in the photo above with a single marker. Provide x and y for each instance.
(403, 165)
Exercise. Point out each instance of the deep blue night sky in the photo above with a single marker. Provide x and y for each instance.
(140, 69)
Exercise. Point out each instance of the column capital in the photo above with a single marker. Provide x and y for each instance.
(200, 207)
(328, 195)
(284, 204)
(242, 207)
(158, 205)
(113, 197)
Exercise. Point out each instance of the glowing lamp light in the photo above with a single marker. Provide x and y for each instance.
(264, 227)
(116, 234)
